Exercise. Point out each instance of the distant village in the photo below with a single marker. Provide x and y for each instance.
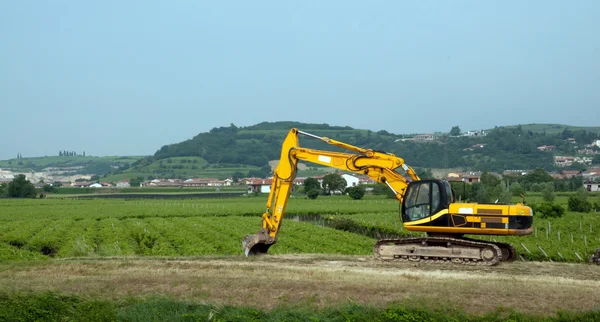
(54, 175)
(590, 178)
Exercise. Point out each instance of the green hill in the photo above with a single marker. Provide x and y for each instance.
(554, 129)
(72, 164)
(247, 150)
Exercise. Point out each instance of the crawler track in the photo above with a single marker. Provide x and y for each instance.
(443, 249)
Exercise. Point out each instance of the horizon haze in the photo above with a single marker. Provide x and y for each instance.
(125, 78)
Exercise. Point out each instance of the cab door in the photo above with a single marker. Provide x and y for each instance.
(423, 199)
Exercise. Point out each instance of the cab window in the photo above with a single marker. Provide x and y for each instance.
(417, 204)
(423, 199)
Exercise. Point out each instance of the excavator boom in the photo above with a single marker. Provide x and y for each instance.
(378, 165)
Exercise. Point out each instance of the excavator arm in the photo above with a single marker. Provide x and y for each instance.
(378, 165)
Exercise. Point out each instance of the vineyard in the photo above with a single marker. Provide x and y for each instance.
(54, 228)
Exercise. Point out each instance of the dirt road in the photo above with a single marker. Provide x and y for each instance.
(317, 280)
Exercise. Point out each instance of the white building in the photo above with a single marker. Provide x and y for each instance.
(259, 185)
(351, 181)
(592, 186)
(123, 184)
(6, 174)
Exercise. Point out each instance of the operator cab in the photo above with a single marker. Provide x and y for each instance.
(425, 198)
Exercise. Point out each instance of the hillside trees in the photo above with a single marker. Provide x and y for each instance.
(455, 131)
(263, 172)
(502, 148)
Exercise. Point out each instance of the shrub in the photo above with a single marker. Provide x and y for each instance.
(312, 193)
(550, 210)
(579, 203)
(548, 194)
(356, 192)
(536, 187)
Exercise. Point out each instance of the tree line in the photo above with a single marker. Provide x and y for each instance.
(66, 153)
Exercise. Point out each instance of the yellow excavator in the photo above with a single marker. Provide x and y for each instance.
(426, 206)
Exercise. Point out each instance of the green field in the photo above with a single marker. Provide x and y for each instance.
(70, 228)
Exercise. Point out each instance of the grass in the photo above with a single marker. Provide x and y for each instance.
(52, 306)
(316, 282)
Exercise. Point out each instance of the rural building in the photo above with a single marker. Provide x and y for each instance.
(259, 185)
(423, 137)
(515, 172)
(81, 184)
(351, 181)
(592, 186)
(587, 151)
(565, 161)
(299, 181)
(198, 182)
(169, 183)
(570, 173)
(475, 133)
(474, 146)
(469, 177)
(591, 174)
(220, 183)
(95, 185)
(6, 175)
(123, 184)
(546, 148)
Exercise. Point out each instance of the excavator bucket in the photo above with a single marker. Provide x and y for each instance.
(257, 244)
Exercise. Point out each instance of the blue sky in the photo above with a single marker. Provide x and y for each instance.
(126, 77)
